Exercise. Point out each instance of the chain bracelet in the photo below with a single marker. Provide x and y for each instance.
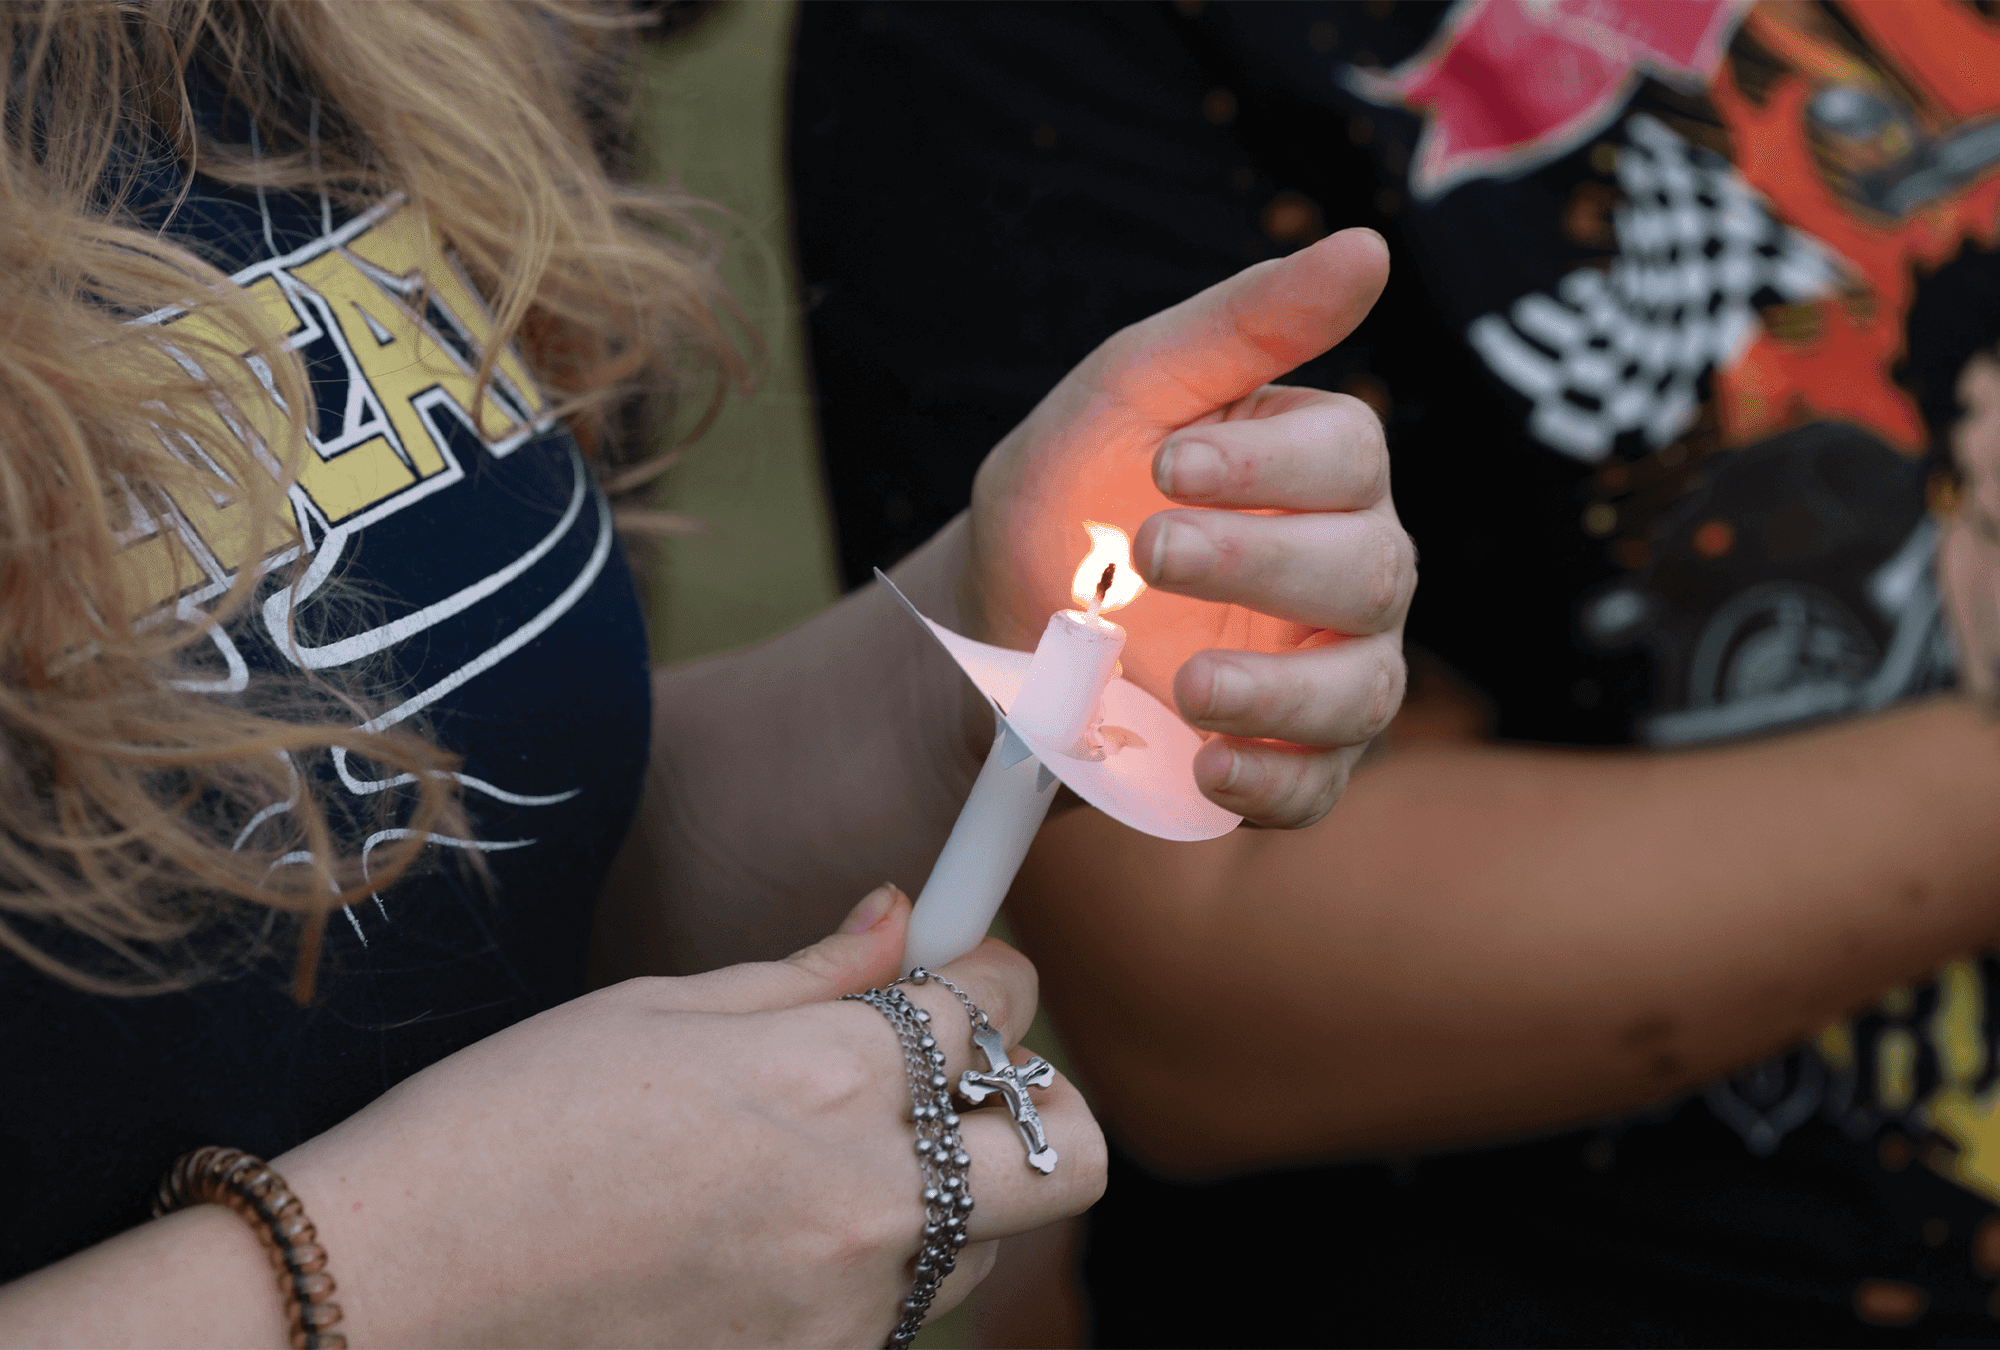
(941, 1155)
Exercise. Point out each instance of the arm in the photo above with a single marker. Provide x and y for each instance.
(784, 776)
(1486, 941)
(194, 1278)
(603, 1173)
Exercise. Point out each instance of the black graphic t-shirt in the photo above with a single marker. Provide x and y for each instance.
(1679, 296)
(460, 562)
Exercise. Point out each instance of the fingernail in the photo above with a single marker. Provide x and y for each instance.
(1204, 765)
(1235, 772)
(1228, 690)
(1189, 469)
(874, 907)
(1181, 553)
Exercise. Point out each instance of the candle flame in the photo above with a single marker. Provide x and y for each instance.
(1109, 546)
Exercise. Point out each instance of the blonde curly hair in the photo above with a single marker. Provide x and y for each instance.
(123, 785)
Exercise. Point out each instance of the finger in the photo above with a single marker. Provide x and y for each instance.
(1268, 783)
(1000, 981)
(1008, 1195)
(1340, 694)
(1215, 347)
(1349, 572)
(841, 963)
(1328, 455)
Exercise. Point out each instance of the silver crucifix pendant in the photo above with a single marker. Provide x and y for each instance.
(1012, 1081)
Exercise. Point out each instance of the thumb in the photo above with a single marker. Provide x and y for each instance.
(1239, 335)
(866, 950)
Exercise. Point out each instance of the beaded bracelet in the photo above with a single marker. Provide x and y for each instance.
(941, 1157)
(232, 1178)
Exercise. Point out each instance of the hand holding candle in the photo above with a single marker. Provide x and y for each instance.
(1278, 599)
(1306, 573)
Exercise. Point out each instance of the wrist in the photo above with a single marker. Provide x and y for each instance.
(363, 1210)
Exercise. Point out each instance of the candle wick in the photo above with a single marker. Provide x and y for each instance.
(1103, 589)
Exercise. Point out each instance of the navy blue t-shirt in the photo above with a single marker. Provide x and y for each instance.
(463, 574)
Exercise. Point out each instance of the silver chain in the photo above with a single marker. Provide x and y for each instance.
(918, 975)
(940, 1152)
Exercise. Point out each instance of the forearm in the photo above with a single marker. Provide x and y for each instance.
(201, 1276)
(1484, 942)
(789, 779)
(194, 1278)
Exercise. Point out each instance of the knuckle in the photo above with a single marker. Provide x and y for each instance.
(1381, 583)
(1387, 674)
(1276, 786)
(1355, 454)
(1378, 471)
(1312, 790)
(1370, 447)
(840, 1075)
(1330, 424)
(1406, 562)
(1357, 412)
(1381, 579)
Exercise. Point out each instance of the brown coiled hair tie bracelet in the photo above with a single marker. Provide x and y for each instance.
(232, 1178)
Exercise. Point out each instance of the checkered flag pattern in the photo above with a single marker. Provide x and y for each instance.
(1622, 351)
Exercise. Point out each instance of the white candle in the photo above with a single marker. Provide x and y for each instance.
(1058, 700)
(1073, 662)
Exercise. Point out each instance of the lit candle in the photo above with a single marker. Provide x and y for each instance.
(1057, 702)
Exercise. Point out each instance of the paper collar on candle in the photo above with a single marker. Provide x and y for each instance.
(1146, 781)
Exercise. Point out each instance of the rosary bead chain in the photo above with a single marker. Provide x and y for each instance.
(940, 1154)
(919, 975)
